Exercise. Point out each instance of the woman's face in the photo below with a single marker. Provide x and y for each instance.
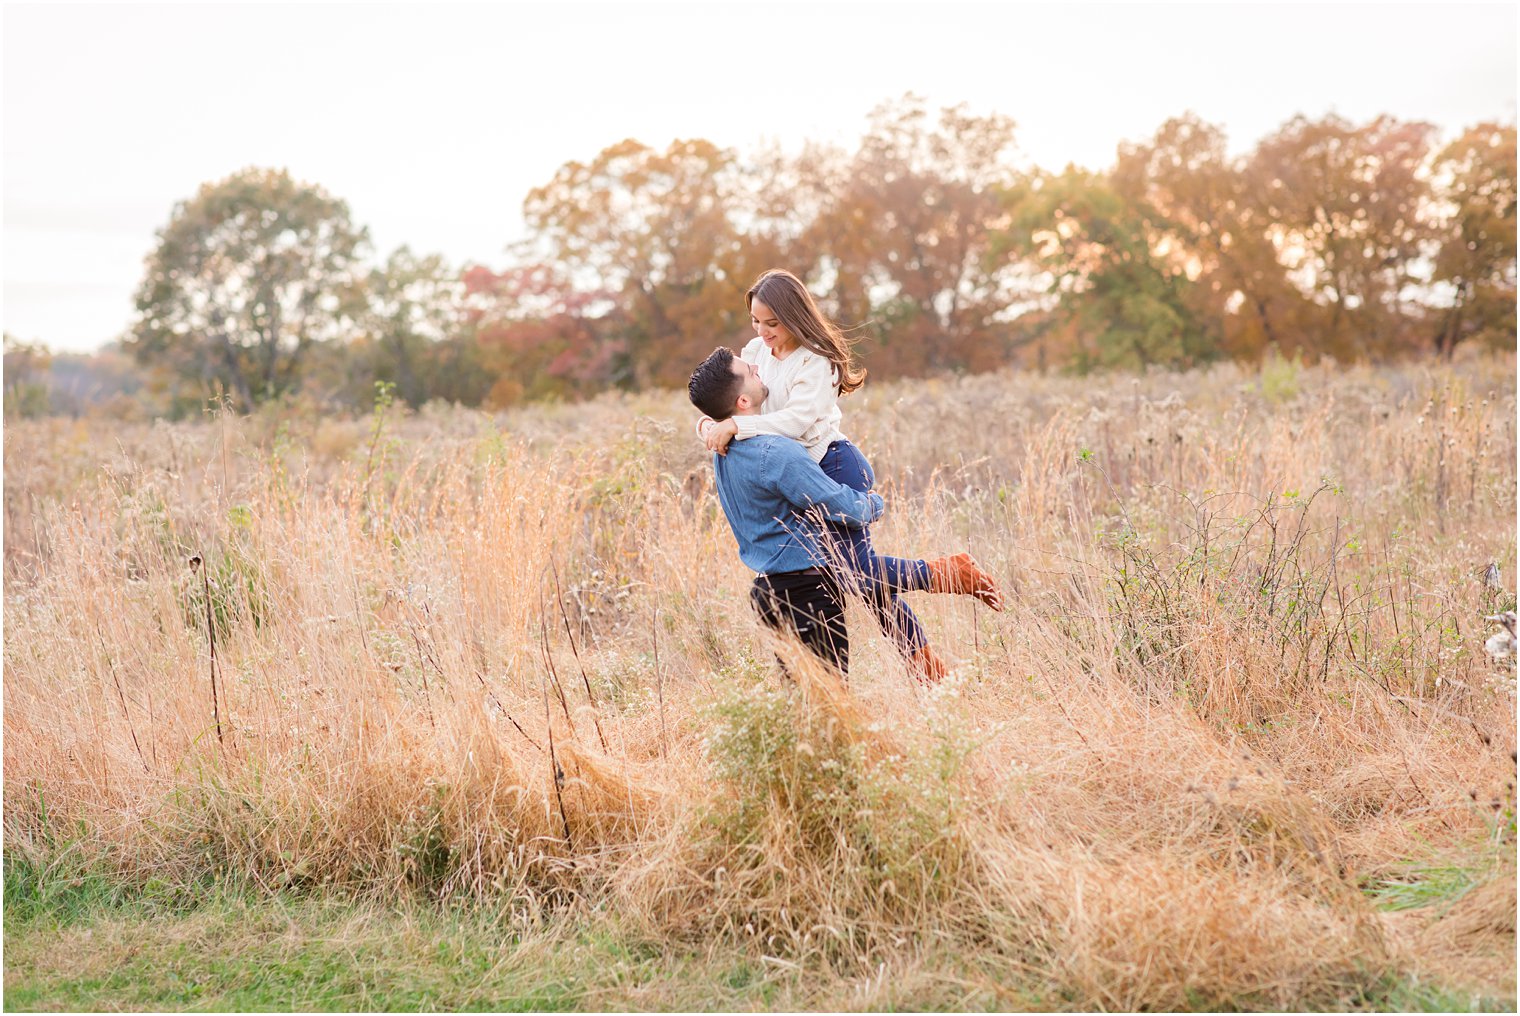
(777, 338)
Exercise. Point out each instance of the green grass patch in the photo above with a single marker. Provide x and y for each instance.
(76, 940)
(81, 940)
(1424, 886)
(1413, 995)
(281, 953)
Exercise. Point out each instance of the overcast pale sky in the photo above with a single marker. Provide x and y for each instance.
(434, 121)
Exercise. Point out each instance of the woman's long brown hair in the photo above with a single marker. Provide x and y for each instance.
(793, 306)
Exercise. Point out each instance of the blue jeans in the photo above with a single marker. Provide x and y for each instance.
(877, 579)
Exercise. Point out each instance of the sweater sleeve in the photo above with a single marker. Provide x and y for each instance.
(809, 398)
(797, 478)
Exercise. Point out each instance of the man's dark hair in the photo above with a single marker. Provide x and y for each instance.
(714, 387)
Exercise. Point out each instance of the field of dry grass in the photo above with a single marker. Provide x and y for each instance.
(1234, 743)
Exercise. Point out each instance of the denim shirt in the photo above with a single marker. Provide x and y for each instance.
(765, 484)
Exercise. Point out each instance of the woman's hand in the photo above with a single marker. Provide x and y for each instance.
(720, 434)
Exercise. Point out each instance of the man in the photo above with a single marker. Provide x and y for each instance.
(773, 493)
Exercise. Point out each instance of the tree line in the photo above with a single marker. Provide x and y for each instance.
(1357, 242)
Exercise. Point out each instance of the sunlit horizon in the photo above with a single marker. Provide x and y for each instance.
(433, 123)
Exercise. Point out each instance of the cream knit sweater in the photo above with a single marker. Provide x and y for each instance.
(803, 403)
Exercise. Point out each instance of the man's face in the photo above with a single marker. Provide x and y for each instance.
(753, 391)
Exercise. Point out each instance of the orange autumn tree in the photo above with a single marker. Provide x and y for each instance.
(1345, 209)
(1476, 256)
(538, 337)
(910, 237)
(654, 229)
(1200, 220)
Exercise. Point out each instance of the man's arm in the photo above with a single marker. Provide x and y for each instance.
(796, 477)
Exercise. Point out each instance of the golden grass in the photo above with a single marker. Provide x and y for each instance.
(1239, 681)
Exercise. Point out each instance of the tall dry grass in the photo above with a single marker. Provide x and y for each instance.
(1238, 693)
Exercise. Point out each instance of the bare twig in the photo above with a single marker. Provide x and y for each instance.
(659, 682)
(427, 698)
(559, 689)
(216, 716)
(122, 698)
(555, 772)
(492, 695)
(565, 616)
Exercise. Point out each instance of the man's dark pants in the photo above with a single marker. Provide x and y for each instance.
(810, 604)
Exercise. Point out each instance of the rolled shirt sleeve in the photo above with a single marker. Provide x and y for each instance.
(797, 478)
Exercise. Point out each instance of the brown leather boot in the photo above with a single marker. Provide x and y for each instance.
(960, 573)
(927, 665)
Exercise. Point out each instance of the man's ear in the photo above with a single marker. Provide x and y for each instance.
(743, 402)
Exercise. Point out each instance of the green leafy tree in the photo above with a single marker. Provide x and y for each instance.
(414, 307)
(26, 378)
(248, 274)
(1115, 303)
